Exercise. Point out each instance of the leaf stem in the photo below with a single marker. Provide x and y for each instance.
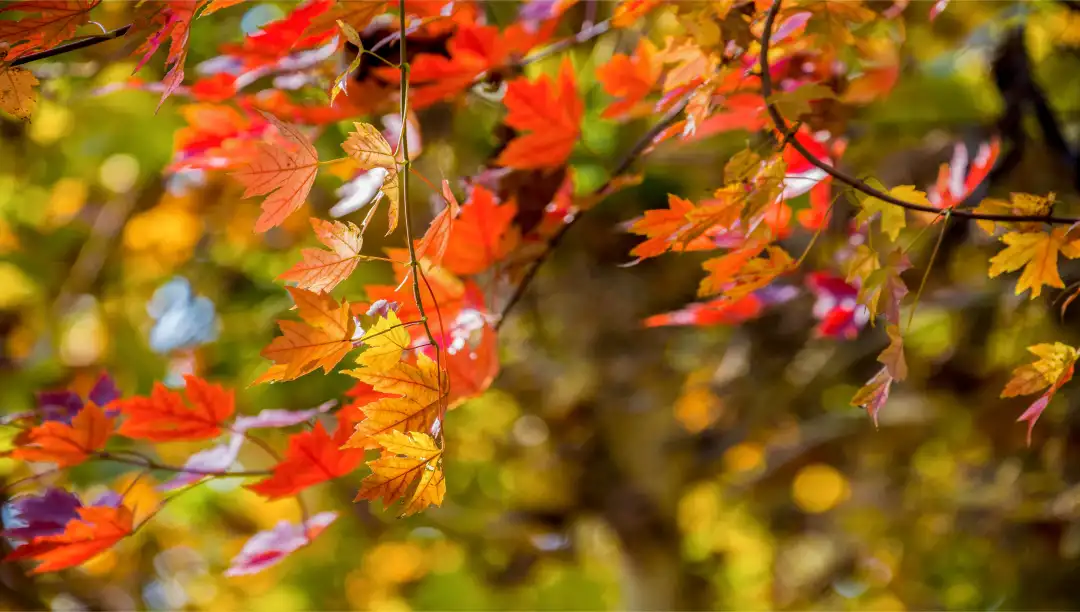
(926, 274)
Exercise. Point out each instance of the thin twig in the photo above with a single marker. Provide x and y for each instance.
(150, 464)
(89, 41)
(782, 126)
(628, 160)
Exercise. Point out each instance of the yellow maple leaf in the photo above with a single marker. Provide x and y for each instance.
(406, 458)
(893, 218)
(17, 95)
(419, 405)
(1054, 362)
(369, 148)
(1037, 253)
(385, 341)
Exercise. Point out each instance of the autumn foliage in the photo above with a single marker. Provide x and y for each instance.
(782, 217)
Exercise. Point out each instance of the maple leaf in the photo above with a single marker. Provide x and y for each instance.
(406, 458)
(29, 516)
(419, 403)
(437, 237)
(63, 444)
(719, 311)
(481, 235)
(550, 114)
(892, 217)
(283, 173)
(270, 547)
(1018, 204)
(165, 416)
(369, 148)
(741, 272)
(17, 95)
(893, 355)
(322, 270)
(385, 341)
(1054, 362)
(474, 50)
(321, 340)
(629, 11)
(685, 226)
(1053, 368)
(881, 282)
(96, 530)
(874, 394)
(1037, 253)
(312, 457)
(166, 20)
(630, 78)
(42, 24)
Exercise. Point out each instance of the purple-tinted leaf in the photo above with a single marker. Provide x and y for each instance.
(112, 499)
(29, 516)
(104, 391)
(59, 405)
(216, 459)
(267, 548)
(279, 418)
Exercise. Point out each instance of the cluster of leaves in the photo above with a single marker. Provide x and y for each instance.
(427, 343)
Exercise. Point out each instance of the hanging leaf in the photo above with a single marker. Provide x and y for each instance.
(321, 270)
(312, 457)
(1036, 252)
(282, 171)
(406, 459)
(320, 341)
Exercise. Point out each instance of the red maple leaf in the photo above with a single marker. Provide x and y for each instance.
(313, 457)
(549, 113)
(165, 416)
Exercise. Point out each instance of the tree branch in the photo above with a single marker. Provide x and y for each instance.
(148, 463)
(782, 126)
(89, 41)
(628, 160)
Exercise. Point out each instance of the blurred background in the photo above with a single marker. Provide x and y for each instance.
(611, 466)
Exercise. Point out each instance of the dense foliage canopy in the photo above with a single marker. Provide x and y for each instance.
(557, 304)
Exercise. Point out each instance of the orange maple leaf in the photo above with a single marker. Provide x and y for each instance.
(321, 340)
(473, 50)
(312, 457)
(43, 24)
(481, 235)
(741, 272)
(165, 416)
(96, 530)
(63, 444)
(286, 171)
(406, 458)
(550, 114)
(630, 78)
(322, 270)
(684, 226)
(437, 238)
